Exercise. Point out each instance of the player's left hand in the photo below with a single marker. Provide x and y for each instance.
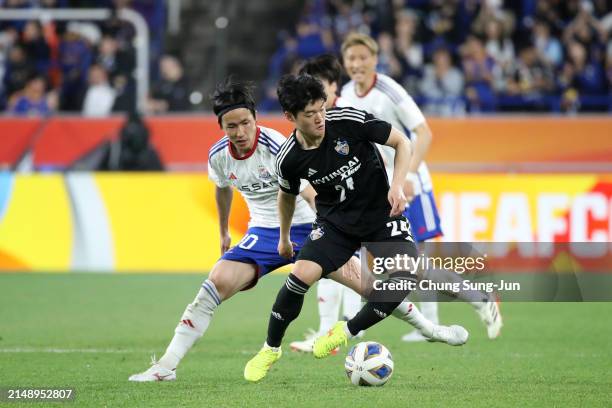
(397, 199)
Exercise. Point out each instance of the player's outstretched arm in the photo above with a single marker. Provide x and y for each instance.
(403, 151)
(419, 150)
(223, 196)
(286, 208)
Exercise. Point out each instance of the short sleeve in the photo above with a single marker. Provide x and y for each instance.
(215, 173)
(407, 111)
(287, 181)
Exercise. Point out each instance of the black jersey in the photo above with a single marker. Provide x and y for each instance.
(346, 170)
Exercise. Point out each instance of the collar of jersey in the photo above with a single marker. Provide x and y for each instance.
(369, 89)
(234, 154)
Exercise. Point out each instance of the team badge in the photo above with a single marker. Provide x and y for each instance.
(316, 234)
(264, 174)
(342, 147)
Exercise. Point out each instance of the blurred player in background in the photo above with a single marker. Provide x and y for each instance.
(381, 96)
(245, 159)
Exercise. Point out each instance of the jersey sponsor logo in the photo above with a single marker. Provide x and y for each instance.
(342, 147)
(255, 186)
(316, 234)
(311, 172)
(343, 172)
(264, 174)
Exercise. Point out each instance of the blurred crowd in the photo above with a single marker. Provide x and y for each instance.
(83, 66)
(457, 56)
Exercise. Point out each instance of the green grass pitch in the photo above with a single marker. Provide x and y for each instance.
(91, 331)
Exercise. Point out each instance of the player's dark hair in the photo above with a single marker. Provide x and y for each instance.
(231, 94)
(325, 67)
(296, 91)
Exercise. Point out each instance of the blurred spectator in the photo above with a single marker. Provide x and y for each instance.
(549, 48)
(119, 65)
(388, 59)
(100, 96)
(33, 101)
(531, 76)
(442, 23)
(406, 41)
(18, 70)
(75, 56)
(132, 151)
(479, 69)
(35, 46)
(498, 44)
(442, 86)
(312, 39)
(171, 92)
(580, 74)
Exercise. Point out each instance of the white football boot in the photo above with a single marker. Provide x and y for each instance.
(305, 346)
(413, 337)
(491, 316)
(452, 335)
(154, 373)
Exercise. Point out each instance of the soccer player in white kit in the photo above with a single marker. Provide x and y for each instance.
(245, 159)
(381, 96)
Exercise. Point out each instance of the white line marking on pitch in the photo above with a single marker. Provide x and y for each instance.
(65, 351)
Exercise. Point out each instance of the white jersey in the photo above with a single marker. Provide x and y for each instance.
(254, 175)
(387, 100)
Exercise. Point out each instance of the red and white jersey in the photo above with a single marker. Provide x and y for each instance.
(254, 175)
(389, 101)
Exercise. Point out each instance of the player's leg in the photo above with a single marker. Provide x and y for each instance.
(425, 224)
(406, 311)
(286, 308)
(226, 279)
(329, 298)
(324, 251)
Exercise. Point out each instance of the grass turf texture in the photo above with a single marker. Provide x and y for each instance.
(105, 327)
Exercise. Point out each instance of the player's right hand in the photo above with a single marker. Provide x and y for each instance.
(226, 242)
(285, 248)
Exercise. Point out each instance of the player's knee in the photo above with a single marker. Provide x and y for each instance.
(307, 272)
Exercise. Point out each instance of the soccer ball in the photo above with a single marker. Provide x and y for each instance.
(369, 363)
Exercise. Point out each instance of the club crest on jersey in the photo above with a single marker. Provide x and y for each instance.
(316, 233)
(342, 147)
(264, 174)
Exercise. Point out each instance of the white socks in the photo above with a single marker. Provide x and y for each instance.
(329, 293)
(408, 312)
(430, 311)
(351, 302)
(193, 324)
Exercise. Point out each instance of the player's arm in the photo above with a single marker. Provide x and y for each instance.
(223, 197)
(403, 152)
(289, 188)
(286, 208)
(412, 118)
(309, 194)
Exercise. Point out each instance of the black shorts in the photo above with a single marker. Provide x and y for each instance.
(331, 248)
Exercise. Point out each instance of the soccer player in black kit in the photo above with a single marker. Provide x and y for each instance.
(355, 202)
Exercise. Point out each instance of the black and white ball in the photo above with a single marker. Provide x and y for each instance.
(369, 363)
